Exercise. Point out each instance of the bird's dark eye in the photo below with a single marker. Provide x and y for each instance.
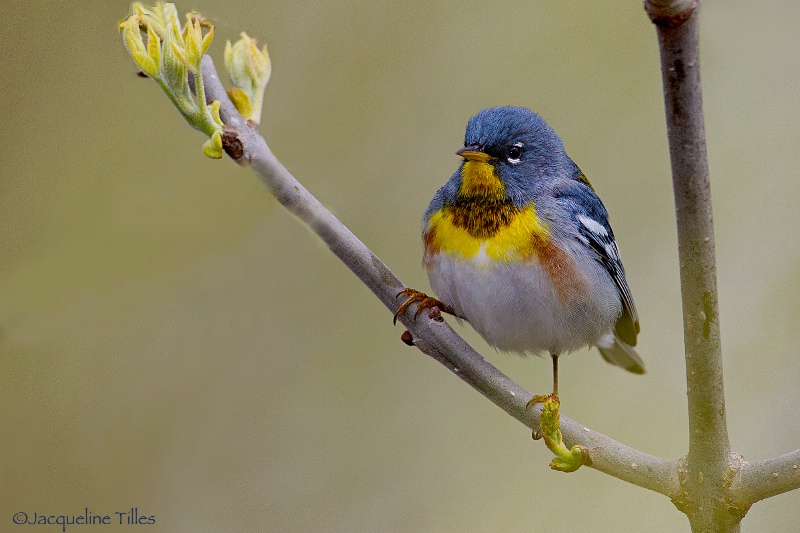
(513, 153)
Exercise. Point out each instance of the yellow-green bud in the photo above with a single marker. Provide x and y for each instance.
(249, 69)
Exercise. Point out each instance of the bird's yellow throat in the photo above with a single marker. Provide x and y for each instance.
(483, 222)
(480, 179)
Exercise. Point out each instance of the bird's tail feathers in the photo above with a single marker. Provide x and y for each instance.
(621, 354)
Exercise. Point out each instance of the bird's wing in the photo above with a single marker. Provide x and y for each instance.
(598, 235)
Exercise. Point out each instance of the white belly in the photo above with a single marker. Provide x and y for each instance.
(515, 307)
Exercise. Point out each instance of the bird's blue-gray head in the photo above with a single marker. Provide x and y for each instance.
(520, 148)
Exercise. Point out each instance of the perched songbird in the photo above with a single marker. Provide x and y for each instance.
(518, 244)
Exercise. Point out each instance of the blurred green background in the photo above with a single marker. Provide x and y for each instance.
(172, 339)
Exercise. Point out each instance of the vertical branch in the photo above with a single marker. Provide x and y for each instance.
(707, 467)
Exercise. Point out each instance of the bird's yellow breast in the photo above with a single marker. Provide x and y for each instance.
(482, 224)
(503, 235)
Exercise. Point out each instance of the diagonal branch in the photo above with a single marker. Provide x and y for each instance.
(434, 338)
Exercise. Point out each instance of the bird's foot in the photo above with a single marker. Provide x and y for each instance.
(566, 459)
(425, 302)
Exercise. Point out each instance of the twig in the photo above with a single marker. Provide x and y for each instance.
(762, 479)
(432, 337)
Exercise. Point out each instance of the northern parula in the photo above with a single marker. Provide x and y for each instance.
(518, 244)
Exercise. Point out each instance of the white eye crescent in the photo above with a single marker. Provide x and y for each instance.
(514, 153)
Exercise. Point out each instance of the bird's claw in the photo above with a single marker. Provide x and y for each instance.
(425, 302)
(539, 398)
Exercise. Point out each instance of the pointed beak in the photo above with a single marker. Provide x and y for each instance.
(473, 153)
